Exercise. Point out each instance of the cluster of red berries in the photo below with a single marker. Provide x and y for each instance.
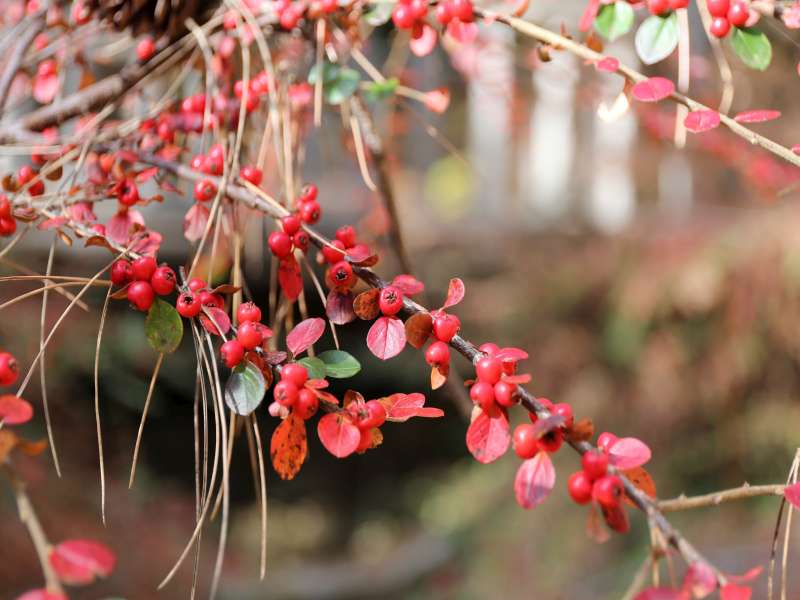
(663, 7)
(448, 10)
(726, 14)
(26, 175)
(491, 389)
(291, 391)
(144, 278)
(366, 416)
(339, 275)
(9, 370)
(211, 163)
(8, 224)
(410, 14)
(257, 88)
(445, 326)
(191, 302)
(250, 334)
(281, 243)
(528, 441)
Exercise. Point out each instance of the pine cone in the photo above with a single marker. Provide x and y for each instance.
(155, 17)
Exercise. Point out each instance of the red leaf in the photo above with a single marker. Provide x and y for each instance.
(749, 575)
(53, 223)
(437, 101)
(14, 410)
(304, 335)
(520, 379)
(609, 64)
(511, 354)
(290, 278)
(387, 337)
(41, 594)
(218, 323)
(731, 591)
(289, 447)
(425, 43)
(653, 89)
(401, 407)
(195, 221)
(462, 32)
(45, 88)
(339, 307)
(589, 15)
(757, 116)
(699, 580)
(146, 174)
(82, 212)
(147, 242)
(78, 562)
(791, 493)
(408, 284)
(627, 453)
(701, 120)
(659, 593)
(418, 329)
(455, 293)
(488, 437)
(535, 480)
(338, 434)
(119, 227)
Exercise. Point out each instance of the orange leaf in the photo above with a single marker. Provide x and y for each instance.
(289, 447)
(439, 376)
(366, 305)
(418, 329)
(642, 480)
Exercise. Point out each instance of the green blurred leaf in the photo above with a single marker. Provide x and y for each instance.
(338, 83)
(656, 38)
(314, 366)
(163, 327)
(245, 388)
(339, 364)
(614, 20)
(752, 46)
(379, 14)
(380, 90)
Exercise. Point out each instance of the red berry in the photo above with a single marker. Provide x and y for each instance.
(595, 464)
(248, 311)
(446, 326)
(196, 284)
(342, 275)
(347, 235)
(657, 7)
(188, 305)
(365, 443)
(579, 487)
(462, 10)
(332, 253)
(5, 207)
(402, 17)
(141, 295)
(738, 14)
(437, 354)
(250, 334)
(482, 394)
(295, 373)
(163, 281)
(207, 298)
(145, 48)
(375, 417)
(676, 4)
(444, 13)
(306, 405)
(720, 27)
(489, 369)
(525, 442)
(9, 370)
(301, 240)
(144, 267)
(605, 440)
(166, 132)
(329, 6)
(289, 17)
(25, 174)
(7, 226)
(390, 300)
(308, 193)
(489, 348)
(419, 9)
(291, 224)
(563, 409)
(128, 194)
(280, 244)
(121, 272)
(198, 162)
(551, 441)
(505, 393)
(204, 190)
(231, 353)
(285, 393)
(213, 165)
(310, 212)
(607, 491)
(251, 174)
(47, 68)
(718, 8)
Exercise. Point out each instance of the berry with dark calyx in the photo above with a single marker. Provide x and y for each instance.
(232, 353)
(605, 440)
(285, 393)
(657, 7)
(347, 235)
(121, 272)
(333, 253)
(163, 281)
(145, 49)
(251, 174)
(390, 300)
(128, 193)
(250, 334)
(595, 464)
(248, 311)
(141, 295)
(208, 298)
(562, 409)
(551, 441)
(196, 284)
(720, 26)
(525, 442)
(446, 326)
(579, 487)
(505, 394)
(295, 373)
(489, 369)
(204, 190)
(9, 370)
(306, 405)
(301, 240)
(143, 268)
(482, 394)
(718, 8)
(308, 193)
(489, 348)
(280, 244)
(310, 212)
(375, 417)
(607, 491)
(738, 13)
(188, 305)
(438, 354)
(342, 275)
(291, 224)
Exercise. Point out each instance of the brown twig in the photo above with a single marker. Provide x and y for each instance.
(740, 493)
(15, 61)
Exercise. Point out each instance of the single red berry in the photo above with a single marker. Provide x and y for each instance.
(7, 226)
(291, 224)
(145, 48)
(375, 417)
(248, 311)
(489, 348)
(121, 272)
(141, 295)
(482, 394)
(143, 268)
(333, 253)
(24, 174)
(296, 373)
(310, 212)
(605, 440)
(250, 334)
(5, 207)
(419, 9)
(347, 235)
(718, 8)
(551, 441)
(402, 17)
(677, 4)
(438, 354)
(208, 298)
(657, 7)
(308, 193)
(738, 14)
(166, 132)
(462, 10)
(329, 6)
(285, 393)
(163, 281)
(562, 409)
(301, 240)
(196, 284)
(489, 369)
(579, 487)
(607, 491)
(128, 194)
(720, 27)
(280, 244)
(231, 353)
(306, 405)
(251, 174)
(595, 464)
(525, 442)
(289, 18)
(188, 305)
(213, 165)
(198, 161)
(505, 393)
(446, 326)
(9, 370)
(342, 275)
(390, 300)
(204, 190)
(47, 68)
(444, 13)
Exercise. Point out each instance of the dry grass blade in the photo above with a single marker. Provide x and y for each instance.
(263, 495)
(30, 274)
(97, 406)
(144, 418)
(42, 371)
(45, 288)
(361, 154)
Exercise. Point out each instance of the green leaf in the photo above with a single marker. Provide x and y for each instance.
(753, 47)
(314, 366)
(379, 13)
(380, 90)
(163, 327)
(343, 87)
(245, 388)
(656, 38)
(614, 20)
(340, 364)
(330, 72)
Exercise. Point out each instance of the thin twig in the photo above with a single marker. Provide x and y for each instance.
(715, 498)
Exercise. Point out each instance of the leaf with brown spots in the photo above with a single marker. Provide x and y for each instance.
(642, 480)
(418, 329)
(581, 431)
(366, 305)
(289, 447)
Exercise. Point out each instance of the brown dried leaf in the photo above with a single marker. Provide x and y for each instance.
(289, 447)
(642, 480)
(98, 240)
(581, 431)
(366, 305)
(418, 329)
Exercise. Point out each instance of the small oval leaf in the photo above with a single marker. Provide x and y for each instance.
(338, 434)
(488, 437)
(304, 335)
(339, 364)
(314, 366)
(289, 447)
(163, 327)
(14, 410)
(78, 562)
(245, 389)
(535, 480)
(657, 38)
(387, 337)
(752, 46)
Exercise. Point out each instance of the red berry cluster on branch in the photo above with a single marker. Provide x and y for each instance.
(142, 279)
(726, 14)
